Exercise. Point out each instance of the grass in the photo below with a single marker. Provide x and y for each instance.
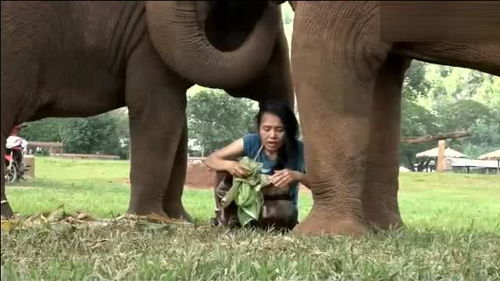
(452, 233)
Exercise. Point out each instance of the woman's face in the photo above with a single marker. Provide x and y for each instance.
(272, 132)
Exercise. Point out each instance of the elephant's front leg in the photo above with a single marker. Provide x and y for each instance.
(334, 100)
(156, 100)
(380, 202)
(6, 210)
(7, 123)
(334, 74)
(172, 202)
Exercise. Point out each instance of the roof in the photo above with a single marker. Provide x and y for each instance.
(448, 153)
(462, 162)
(494, 155)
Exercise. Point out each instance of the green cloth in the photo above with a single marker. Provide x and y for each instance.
(245, 192)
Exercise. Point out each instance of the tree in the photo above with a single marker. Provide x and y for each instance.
(47, 129)
(441, 99)
(215, 119)
(415, 84)
(462, 114)
(106, 133)
(475, 117)
(415, 121)
(96, 134)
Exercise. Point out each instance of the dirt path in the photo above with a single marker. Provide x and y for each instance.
(199, 176)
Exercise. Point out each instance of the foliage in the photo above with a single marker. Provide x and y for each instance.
(215, 119)
(475, 117)
(415, 84)
(90, 135)
(440, 99)
(462, 114)
(105, 134)
(415, 121)
(47, 130)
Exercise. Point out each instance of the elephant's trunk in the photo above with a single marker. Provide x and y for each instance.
(183, 45)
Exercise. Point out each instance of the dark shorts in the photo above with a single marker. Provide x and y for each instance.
(278, 210)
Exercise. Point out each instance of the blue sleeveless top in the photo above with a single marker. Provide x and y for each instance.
(251, 147)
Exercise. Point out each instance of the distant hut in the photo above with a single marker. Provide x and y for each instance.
(494, 155)
(433, 153)
(430, 158)
(474, 165)
(52, 148)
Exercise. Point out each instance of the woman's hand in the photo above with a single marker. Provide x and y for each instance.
(237, 170)
(283, 178)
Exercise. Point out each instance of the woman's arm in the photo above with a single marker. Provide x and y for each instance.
(225, 159)
(302, 178)
(283, 178)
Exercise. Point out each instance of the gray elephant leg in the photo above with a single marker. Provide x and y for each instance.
(19, 98)
(335, 116)
(380, 203)
(7, 124)
(334, 75)
(8, 121)
(6, 210)
(156, 100)
(172, 202)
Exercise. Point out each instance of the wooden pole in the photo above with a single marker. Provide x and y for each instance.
(29, 160)
(441, 163)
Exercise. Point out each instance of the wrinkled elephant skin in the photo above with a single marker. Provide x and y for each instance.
(79, 59)
(348, 86)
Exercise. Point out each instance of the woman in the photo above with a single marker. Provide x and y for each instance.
(277, 148)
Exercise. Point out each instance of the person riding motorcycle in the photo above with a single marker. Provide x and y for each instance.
(16, 147)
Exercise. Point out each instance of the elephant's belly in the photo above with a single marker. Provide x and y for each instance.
(81, 92)
(87, 105)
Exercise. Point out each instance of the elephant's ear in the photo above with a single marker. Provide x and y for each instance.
(174, 28)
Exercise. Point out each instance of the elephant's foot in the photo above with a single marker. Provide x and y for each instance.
(324, 223)
(177, 211)
(384, 220)
(381, 211)
(147, 209)
(6, 211)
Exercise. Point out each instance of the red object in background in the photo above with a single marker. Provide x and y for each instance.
(8, 157)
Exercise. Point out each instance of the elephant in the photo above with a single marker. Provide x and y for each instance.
(79, 59)
(348, 83)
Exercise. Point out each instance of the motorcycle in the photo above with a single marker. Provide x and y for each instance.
(14, 158)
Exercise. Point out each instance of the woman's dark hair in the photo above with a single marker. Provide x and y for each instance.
(287, 155)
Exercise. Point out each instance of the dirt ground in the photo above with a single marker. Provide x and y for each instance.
(199, 176)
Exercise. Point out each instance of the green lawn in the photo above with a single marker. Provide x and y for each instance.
(452, 233)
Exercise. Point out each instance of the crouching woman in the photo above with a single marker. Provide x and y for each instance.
(275, 146)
